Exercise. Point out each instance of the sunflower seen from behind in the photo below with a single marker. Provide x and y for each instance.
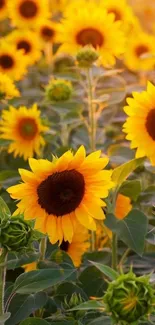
(23, 127)
(91, 26)
(140, 124)
(8, 89)
(61, 192)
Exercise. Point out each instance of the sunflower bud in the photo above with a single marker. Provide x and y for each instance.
(17, 235)
(74, 301)
(59, 90)
(129, 298)
(87, 56)
(62, 63)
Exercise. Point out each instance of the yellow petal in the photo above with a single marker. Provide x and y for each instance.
(84, 218)
(67, 228)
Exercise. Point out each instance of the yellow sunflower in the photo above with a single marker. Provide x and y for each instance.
(140, 52)
(27, 41)
(123, 206)
(7, 88)
(59, 193)
(145, 11)
(91, 26)
(48, 31)
(23, 127)
(30, 267)
(58, 6)
(28, 13)
(3, 9)
(140, 125)
(12, 62)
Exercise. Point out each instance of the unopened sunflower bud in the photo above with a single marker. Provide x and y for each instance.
(59, 90)
(17, 235)
(87, 56)
(129, 298)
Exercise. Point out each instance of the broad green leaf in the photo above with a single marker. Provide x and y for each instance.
(103, 320)
(90, 305)
(34, 321)
(108, 271)
(131, 230)
(92, 281)
(22, 306)
(16, 260)
(38, 280)
(4, 210)
(121, 173)
(131, 189)
(4, 318)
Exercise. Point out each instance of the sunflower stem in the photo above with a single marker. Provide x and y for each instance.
(114, 251)
(3, 259)
(42, 248)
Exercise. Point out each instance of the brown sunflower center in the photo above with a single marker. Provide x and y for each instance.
(90, 36)
(62, 192)
(141, 49)
(150, 123)
(24, 45)
(47, 33)
(28, 9)
(2, 3)
(116, 13)
(6, 61)
(64, 246)
(28, 128)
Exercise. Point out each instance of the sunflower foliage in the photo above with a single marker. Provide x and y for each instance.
(77, 162)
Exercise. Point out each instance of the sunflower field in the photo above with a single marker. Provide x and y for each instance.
(77, 162)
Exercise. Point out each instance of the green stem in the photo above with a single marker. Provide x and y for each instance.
(3, 259)
(122, 260)
(114, 251)
(42, 248)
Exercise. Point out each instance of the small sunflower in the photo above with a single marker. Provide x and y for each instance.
(59, 193)
(48, 31)
(140, 52)
(12, 62)
(91, 26)
(28, 13)
(3, 9)
(79, 245)
(23, 127)
(7, 88)
(140, 125)
(27, 41)
(123, 206)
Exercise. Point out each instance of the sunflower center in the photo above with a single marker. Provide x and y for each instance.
(47, 33)
(28, 9)
(64, 246)
(28, 128)
(150, 123)
(24, 45)
(140, 50)
(62, 192)
(90, 36)
(116, 13)
(2, 3)
(6, 61)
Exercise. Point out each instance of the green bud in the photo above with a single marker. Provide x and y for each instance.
(87, 56)
(62, 63)
(129, 298)
(74, 301)
(17, 235)
(59, 90)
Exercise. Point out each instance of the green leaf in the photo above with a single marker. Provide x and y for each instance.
(4, 210)
(132, 189)
(90, 305)
(131, 230)
(92, 281)
(120, 173)
(4, 318)
(103, 320)
(38, 280)
(108, 271)
(22, 306)
(34, 321)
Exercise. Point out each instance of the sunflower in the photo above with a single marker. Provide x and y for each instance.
(79, 245)
(123, 206)
(7, 87)
(58, 6)
(48, 31)
(145, 11)
(140, 52)
(91, 26)
(12, 62)
(59, 193)
(23, 127)
(28, 13)
(140, 125)
(30, 267)
(27, 41)
(3, 9)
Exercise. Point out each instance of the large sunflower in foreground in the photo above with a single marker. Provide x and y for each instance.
(3, 9)
(27, 41)
(23, 128)
(7, 88)
(91, 26)
(28, 13)
(12, 62)
(140, 51)
(59, 193)
(140, 125)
